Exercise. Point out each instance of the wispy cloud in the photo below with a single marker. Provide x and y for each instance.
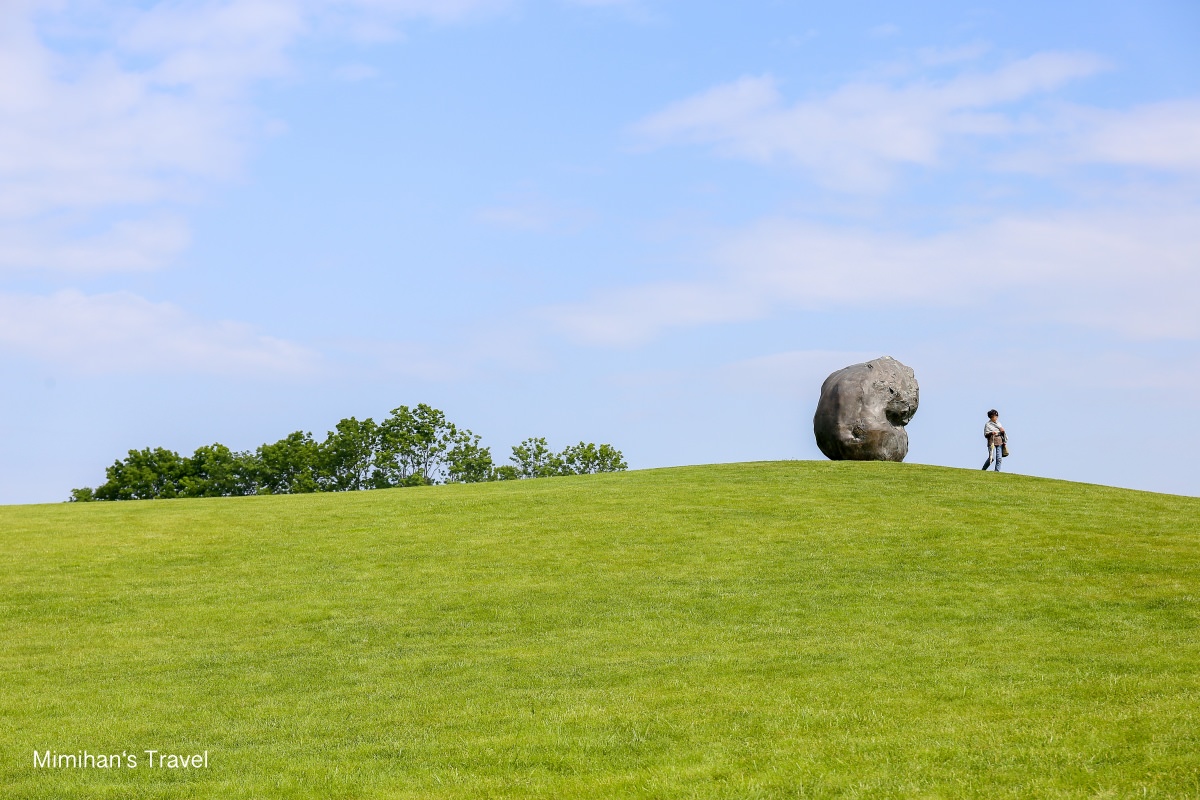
(532, 213)
(354, 73)
(1162, 137)
(105, 137)
(122, 332)
(623, 317)
(463, 358)
(442, 10)
(942, 56)
(149, 105)
(1132, 272)
(114, 118)
(161, 112)
(852, 138)
(132, 245)
(789, 373)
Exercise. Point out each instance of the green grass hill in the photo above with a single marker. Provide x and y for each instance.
(790, 629)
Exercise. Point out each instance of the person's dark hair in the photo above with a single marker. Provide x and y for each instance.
(993, 413)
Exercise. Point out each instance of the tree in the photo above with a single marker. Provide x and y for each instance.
(587, 458)
(289, 466)
(506, 472)
(84, 495)
(533, 459)
(143, 475)
(610, 459)
(467, 461)
(216, 471)
(346, 459)
(412, 447)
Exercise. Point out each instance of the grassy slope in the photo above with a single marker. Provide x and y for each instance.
(783, 629)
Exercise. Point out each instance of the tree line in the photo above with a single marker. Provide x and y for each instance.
(412, 447)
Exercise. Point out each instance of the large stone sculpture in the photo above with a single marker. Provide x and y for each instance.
(863, 410)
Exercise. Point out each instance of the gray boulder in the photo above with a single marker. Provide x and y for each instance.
(863, 410)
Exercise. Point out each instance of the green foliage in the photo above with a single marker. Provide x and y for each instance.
(506, 472)
(212, 471)
(144, 475)
(84, 495)
(468, 461)
(412, 447)
(346, 458)
(588, 459)
(216, 471)
(290, 466)
(533, 459)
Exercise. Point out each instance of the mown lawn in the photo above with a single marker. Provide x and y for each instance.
(793, 629)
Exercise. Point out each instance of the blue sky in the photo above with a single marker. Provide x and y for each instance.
(656, 224)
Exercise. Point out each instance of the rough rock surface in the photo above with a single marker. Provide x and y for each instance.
(863, 410)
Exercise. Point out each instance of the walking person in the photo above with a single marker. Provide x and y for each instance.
(997, 439)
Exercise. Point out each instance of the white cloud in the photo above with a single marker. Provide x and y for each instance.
(467, 355)
(113, 118)
(852, 138)
(156, 115)
(941, 56)
(630, 316)
(354, 73)
(790, 373)
(517, 217)
(128, 246)
(1160, 136)
(1130, 272)
(1104, 369)
(533, 214)
(635, 11)
(443, 10)
(602, 3)
(383, 20)
(148, 105)
(87, 131)
(122, 332)
(215, 47)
